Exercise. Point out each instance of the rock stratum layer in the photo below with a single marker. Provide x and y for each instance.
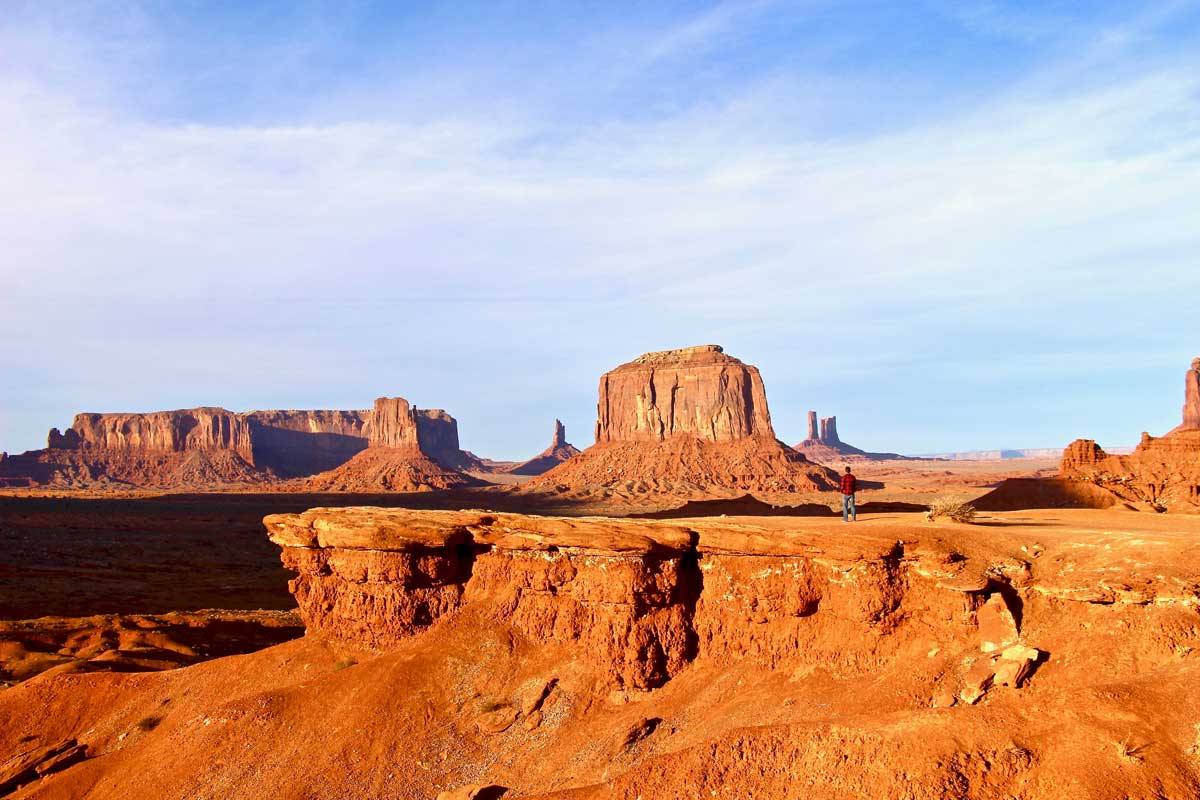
(469, 653)
(685, 421)
(1163, 472)
(212, 447)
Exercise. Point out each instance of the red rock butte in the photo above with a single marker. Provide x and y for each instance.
(682, 421)
(693, 391)
(1162, 473)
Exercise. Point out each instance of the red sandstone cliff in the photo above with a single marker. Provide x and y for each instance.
(685, 422)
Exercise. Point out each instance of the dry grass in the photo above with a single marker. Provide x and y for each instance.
(953, 509)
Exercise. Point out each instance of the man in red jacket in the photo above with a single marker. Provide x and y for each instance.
(849, 487)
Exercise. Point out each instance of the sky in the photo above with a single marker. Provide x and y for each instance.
(955, 224)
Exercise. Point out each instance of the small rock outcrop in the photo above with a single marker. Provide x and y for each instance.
(559, 451)
(685, 422)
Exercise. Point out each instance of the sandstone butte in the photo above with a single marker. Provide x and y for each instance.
(686, 421)
(560, 450)
(823, 445)
(408, 450)
(1162, 473)
(459, 654)
(213, 447)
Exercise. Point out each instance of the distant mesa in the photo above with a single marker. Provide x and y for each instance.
(408, 450)
(685, 421)
(823, 446)
(996, 455)
(559, 451)
(210, 447)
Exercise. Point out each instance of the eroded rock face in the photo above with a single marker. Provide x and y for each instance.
(164, 431)
(639, 600)
(693, 391)
(393, 424)
(621, 591)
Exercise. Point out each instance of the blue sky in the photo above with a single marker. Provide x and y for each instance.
(956, 225)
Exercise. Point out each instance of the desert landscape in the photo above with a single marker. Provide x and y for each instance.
(686, 400)
(347, 604)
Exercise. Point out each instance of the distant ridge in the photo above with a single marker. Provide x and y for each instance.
(1001, 455)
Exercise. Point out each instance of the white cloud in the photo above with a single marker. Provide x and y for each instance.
(365, 254)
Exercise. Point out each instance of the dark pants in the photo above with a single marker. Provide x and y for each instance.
(849, 512)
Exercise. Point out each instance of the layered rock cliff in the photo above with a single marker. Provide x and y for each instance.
(685, 422)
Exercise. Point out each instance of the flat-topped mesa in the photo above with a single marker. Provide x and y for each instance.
(159, 432)
(206, 446)
(693, 391)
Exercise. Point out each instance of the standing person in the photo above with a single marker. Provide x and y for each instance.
(849, 487)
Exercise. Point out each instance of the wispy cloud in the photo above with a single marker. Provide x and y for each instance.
(463, 258)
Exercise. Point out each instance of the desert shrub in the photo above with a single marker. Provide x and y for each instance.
(344, 663)
(956, 510)
(149, 723)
